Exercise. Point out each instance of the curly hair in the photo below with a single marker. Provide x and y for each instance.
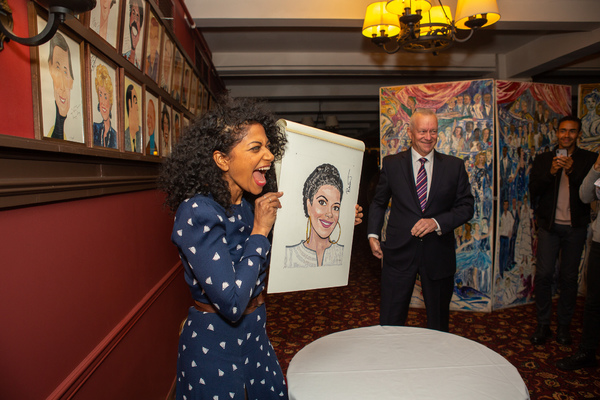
(324, 174)
(191, 170)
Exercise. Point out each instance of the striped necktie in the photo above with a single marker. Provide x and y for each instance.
(422, 184)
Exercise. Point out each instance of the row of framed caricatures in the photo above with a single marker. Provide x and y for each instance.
(91, 97)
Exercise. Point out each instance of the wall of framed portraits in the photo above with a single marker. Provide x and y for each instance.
(93, 290)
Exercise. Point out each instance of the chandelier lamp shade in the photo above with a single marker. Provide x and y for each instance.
(417, 26)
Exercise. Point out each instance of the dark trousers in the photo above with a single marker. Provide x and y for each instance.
(591, 311)
(569, 243)
(397, 283)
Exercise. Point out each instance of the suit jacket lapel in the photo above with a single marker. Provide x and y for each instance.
(409, 176)
(437, 178)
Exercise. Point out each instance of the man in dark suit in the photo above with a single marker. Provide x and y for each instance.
(420, 231)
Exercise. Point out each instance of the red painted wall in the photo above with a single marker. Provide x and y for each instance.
(15, 72)
(72, 272)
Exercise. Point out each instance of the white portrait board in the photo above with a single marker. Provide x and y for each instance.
(307, 149)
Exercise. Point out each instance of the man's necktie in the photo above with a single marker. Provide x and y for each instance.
(422, 184)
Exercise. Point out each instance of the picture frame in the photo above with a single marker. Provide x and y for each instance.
(165, 129)
(177, 76)
(133, 32)
(176, 126)
(153, 48)
(133, 137)
(102, 96)
(166, 67)
(152, 147)
(185, 86)
(60, 99)
(193, 93)
(104, 20)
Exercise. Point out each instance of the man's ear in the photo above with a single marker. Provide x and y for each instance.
(221, 160)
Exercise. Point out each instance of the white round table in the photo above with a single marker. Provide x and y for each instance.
(391, 362)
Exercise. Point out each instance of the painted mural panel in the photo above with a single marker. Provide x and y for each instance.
(528, 115)
(465, 112)
(589, 112)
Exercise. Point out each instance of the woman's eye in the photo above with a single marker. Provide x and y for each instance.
(336, 208)
(322, 202)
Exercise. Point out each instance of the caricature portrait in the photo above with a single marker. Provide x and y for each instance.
(152, 48)
(133, 127)
(167, 63)
(165, 130)
(177, 75)
(322, 199)
(104, 19)
(104, 131)
(185, 87)
(152, 136)
(193, 94)
(60, 83)
(134, 26)
(176, 127)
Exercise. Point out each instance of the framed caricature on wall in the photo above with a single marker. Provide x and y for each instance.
(104, 20)
(152, 143)
(177, 75)
(166, 70)
(132, 100)
(103, 94)
(165, 129)
(176, 126)
(61, 88)
(152, 59)
(185, 87)
(193, 93)
(133, 32)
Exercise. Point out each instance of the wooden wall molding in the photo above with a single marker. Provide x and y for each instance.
(42, 171)
(77, 378)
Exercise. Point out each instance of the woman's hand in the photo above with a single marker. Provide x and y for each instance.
(357, 215)
(265, 212)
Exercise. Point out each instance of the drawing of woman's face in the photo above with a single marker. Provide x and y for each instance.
(324, 211)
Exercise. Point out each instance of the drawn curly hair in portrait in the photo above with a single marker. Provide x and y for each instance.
(322, 198)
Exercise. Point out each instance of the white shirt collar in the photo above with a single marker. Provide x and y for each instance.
(416, 156)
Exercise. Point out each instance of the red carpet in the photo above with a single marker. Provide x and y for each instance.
(296, 319)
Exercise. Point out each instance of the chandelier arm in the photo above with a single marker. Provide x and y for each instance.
(459, 40)
(394, 51)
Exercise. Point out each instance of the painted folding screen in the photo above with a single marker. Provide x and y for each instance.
(528, 115)
(465, 112)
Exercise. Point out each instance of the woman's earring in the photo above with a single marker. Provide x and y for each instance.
(308, 225)
(339, 234)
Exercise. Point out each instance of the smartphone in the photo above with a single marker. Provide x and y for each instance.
(561, 152)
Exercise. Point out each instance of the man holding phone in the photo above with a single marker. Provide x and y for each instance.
(562, 220)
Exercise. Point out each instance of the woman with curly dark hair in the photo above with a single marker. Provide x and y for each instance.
(223, 158)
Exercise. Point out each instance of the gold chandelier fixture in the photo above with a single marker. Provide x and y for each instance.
(416, 26)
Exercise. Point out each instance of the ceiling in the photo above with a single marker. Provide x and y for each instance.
(309, 55)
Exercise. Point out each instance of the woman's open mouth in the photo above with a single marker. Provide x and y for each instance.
(326, 224)
(259, 176)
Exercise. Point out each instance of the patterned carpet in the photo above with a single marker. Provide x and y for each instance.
(298, 318)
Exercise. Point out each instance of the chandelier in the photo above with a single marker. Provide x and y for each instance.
(416, 26)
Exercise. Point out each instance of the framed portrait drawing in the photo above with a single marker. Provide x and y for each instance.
(176, 126)
(152, 60)
(185, 87)
(133, 32)
(193, 93)
(132, 101)
(103, 96)
(151, 120)
(104, 20)
(166, 69)
(165, 129)
(61, 89)
(177, 75)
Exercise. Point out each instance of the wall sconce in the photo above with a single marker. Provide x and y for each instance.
(57, 12)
